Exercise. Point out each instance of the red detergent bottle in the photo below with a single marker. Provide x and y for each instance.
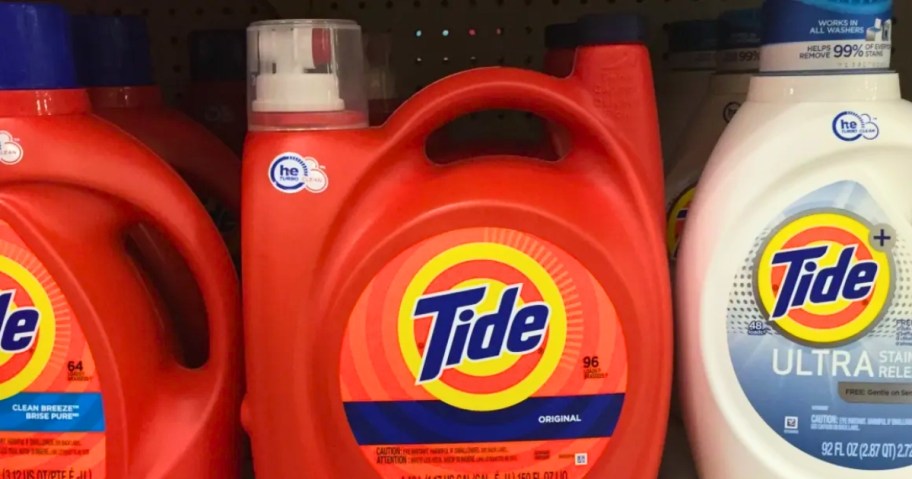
(114, 62)
(89, 384)
(217, 97)
(502, 316)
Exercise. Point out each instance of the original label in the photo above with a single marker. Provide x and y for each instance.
(820, 330)
(805, 35)
(484, 352)
(677, 218)
(52, 421)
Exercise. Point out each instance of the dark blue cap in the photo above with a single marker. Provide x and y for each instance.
(740, 29)
(693, 36)
(36, 49)
(218, 55)
(112, 50)
(561, 35)
(608, 29)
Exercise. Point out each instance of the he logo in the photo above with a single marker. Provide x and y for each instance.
(292, 173)
(850, 126)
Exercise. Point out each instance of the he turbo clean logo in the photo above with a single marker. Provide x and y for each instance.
(488, 312)
(825, 278)
(27, 326)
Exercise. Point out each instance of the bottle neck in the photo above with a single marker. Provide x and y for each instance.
(126, 97)
(24, 103)
(883, 86)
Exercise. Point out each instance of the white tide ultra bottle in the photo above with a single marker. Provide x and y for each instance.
(794, 281)
(738, 61)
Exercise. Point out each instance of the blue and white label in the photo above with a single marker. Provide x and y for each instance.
(850, 126)
(808, 35)
(293, 173)
(819, 326)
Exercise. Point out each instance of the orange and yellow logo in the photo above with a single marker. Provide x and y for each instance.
(28, 326)
(677, 217)
(825, 278)
(483, 325)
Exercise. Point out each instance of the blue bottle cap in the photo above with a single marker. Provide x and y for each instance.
(607, 29)
(561, 35)
(740, 29)
(36, 49)
(693, 36)
(218, 55)
(112, 51)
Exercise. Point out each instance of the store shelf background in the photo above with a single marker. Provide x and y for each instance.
(432, 38)
(479, 33)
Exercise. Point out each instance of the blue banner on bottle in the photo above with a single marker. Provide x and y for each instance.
(52, 412)
(801, 35)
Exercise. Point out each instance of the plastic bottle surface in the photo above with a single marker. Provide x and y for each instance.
(115, 64)
(90, 385)
(462, 325)
(793, 273)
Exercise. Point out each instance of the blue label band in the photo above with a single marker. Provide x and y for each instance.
(53, 413)
(789, 21)
(826, 35)
(434, 422)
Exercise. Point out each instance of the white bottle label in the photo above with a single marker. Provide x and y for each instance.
(805, 35)
(820, 330)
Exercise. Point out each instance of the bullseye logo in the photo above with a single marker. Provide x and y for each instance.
(27, 323)
(677, 217)
(825, 278)
(483, 326)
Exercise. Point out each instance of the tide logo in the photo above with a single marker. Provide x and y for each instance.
(677, 218)
(460, 335)
(18, 327)
(483, 326)
(825, 279)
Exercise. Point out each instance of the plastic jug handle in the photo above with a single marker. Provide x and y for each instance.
(129, 172)
(561, 100)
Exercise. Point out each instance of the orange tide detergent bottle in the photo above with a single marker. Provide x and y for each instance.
(114, 62)
(89, 385)
(499, 317)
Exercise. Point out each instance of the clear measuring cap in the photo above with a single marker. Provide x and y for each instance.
(306, 74)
